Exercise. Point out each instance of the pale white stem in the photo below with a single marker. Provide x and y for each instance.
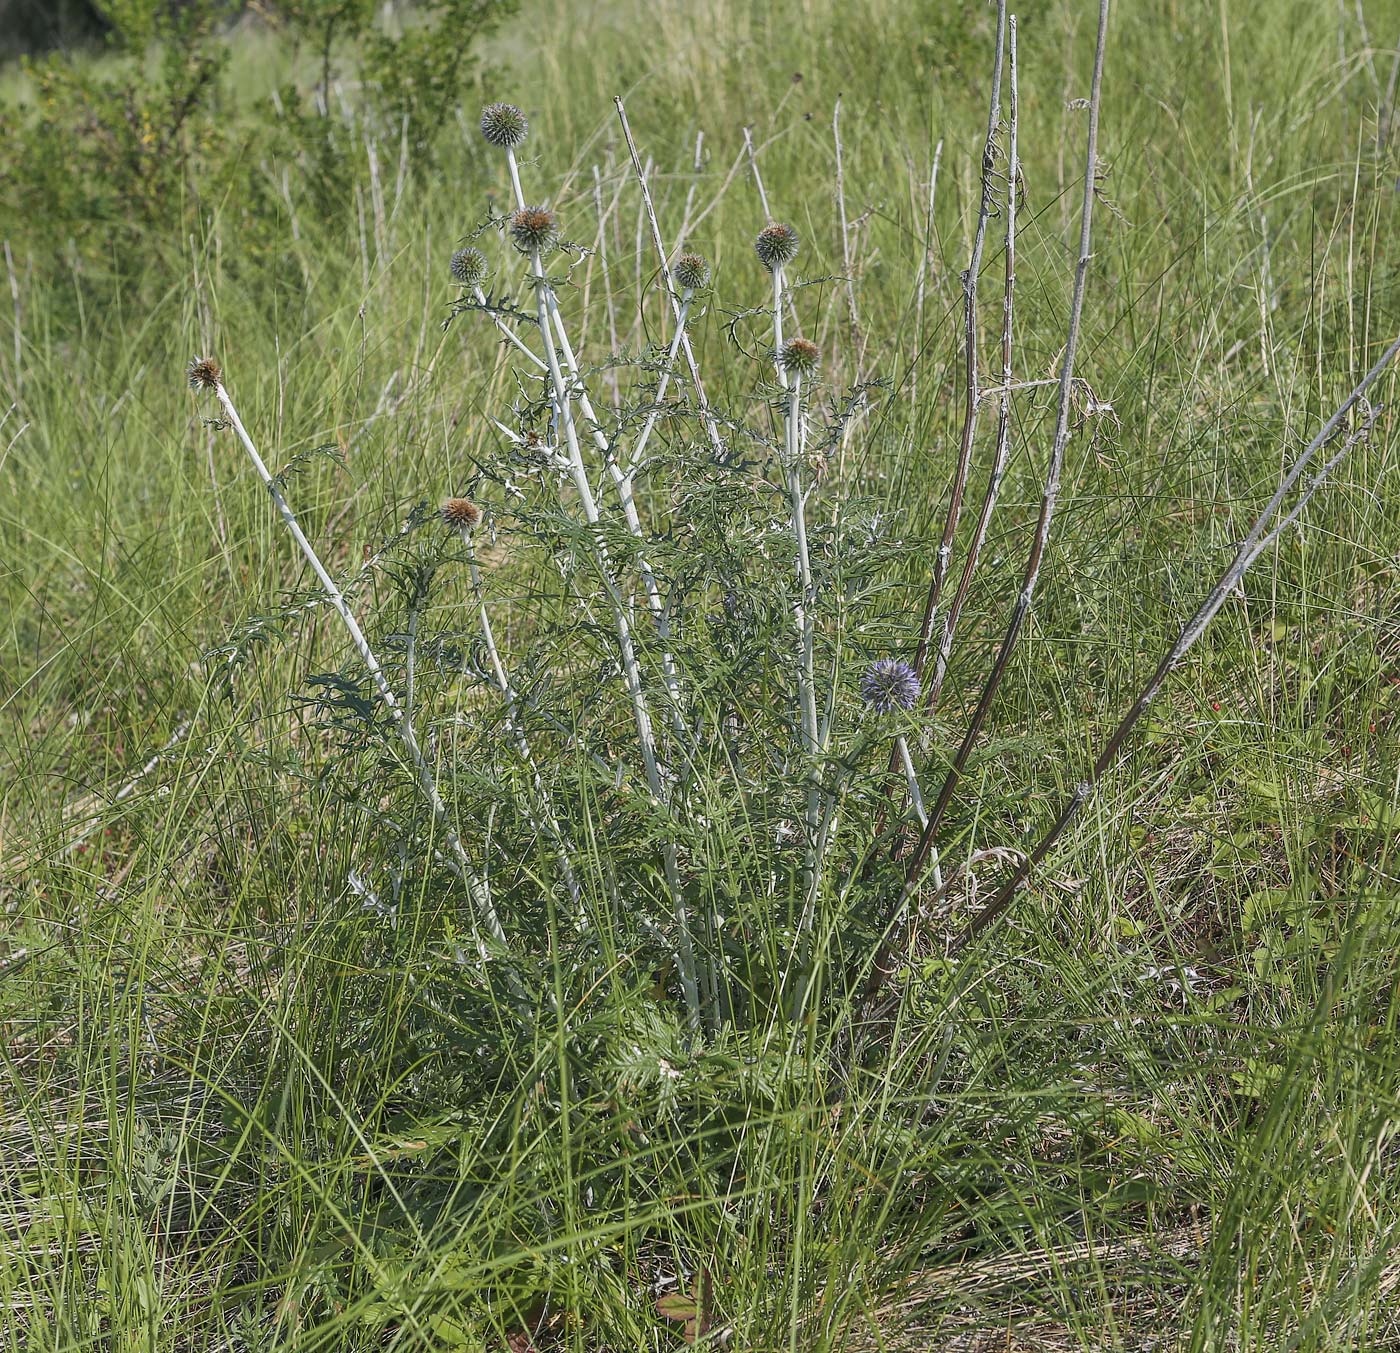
(507, 332)
(911, 779)
(632, 679)
(554, 331)
(711, 426)
(477, 886)
(804, 604)
(664, 384)
(916, 799)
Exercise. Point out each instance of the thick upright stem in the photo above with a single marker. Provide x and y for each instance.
(632, 679)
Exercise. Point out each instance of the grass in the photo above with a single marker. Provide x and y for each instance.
(241, 1108)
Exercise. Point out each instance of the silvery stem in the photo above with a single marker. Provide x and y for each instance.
(620, 474)
(632, 678)
(477, 885)
(507, 332)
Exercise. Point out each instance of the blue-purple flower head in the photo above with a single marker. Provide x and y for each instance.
(888, 685)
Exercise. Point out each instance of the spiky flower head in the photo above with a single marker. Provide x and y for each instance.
(469, 267)
(691, 271)
(504, 125)
(888, 685)
(461, 513)
(799, 357)
(204, 374)
(776, 245)
(534, 228)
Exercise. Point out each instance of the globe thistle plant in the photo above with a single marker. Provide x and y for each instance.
(504, 125)
(889, 685)
(534, 230)
(776, 245)
(691, 271)
(469, 267)
(799, 357)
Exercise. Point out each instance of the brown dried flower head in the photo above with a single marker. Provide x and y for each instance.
(204, 374)
(461, 513)
(534, 228)
(799, 357)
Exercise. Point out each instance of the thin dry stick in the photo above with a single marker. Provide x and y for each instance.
(206, 376)
(857, 346)
(1051, 490)
(924, 259)
(1254, 545)
(923, 850)
(696, 384)
(1003, 441)
(969, 428)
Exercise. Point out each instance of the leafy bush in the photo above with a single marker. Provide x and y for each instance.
(125, 159)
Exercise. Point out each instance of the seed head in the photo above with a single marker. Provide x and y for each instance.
(461, 513)
(204, 374)
(888, 685)
(534, 228)
(469, 267)
(691, 271)
(799, 357)
(776, 245)
(504, 125)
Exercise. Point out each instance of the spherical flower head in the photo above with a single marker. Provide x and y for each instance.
(799, 357)
(461, 513)
(468, 267)
(504, 125)
(533, 228)
(204, 374)
(776, 245)
(888, 685)
(691, 271)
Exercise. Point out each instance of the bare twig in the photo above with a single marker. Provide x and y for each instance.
(922, 852)
(969, 428)
(1003, 441)
(1254, 544)
(697, 385)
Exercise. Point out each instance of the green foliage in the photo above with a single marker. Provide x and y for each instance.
(128, 157)
(257, 1088)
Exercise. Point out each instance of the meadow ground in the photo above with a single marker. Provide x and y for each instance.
(245, 1104)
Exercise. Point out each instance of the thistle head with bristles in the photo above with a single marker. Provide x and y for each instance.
(888, 685)
(504, 125)
(799, 357)
(691, 271)
(469, 267)
(776, 245)
(461, 514)
(204, 374)
(534, 228)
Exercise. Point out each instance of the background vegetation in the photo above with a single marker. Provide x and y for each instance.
(246, 1103)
